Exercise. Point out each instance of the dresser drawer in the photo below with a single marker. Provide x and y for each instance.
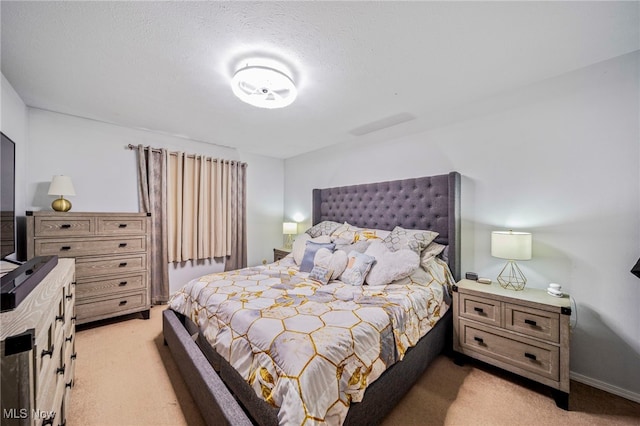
(537, 357)
(111, 285)
(63, 227)
(480, 309)
(94, 267)
(135, 301)
(122, 226)
(532, 322)
(90, 246)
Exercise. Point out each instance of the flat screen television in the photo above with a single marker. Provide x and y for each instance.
(7, 197)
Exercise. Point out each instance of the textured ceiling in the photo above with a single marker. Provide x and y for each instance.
(166, 66)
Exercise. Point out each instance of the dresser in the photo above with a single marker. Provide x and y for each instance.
(112, 258)
(38, 351)
(525, 332)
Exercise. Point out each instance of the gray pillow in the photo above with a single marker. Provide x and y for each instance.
(358, 267)
(310, 253)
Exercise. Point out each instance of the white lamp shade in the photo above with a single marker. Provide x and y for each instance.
(61, 185)
(511, 245)
(289, 228)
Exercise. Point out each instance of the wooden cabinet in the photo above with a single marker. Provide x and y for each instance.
(525, 332)
(279, 253)
(38, 351)
(112, 258)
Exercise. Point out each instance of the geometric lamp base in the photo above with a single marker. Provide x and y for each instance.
(512, 277)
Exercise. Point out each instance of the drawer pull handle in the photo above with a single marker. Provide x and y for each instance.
(65, 226)
(122, 265)
(73, 283)
(60, 318)
(530, 356)
(123, 283)
(65, 248)
(69, 296)
(479, 339)
(61, 369)
(45, 353)
(73, 318)
(74, 356)
(68, 385)
(123, 302)
(530, 322)
(122, 225)
(122, 245)
(68, 339)
(479, 310)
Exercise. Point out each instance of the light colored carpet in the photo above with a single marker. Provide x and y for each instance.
(126, 376)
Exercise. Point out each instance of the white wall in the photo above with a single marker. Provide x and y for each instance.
(558, 158)
(103, 171)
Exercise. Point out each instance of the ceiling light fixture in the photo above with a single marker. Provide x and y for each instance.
(263, 86)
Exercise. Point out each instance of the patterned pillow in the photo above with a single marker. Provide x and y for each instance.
(300, 244)
(325, 227)
(310, 253)
(434, 249)
(320, 274)
(348, 234)
(416, 240)
(358, 266)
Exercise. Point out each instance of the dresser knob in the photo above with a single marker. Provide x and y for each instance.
(530, 322)
(74, 356)
(45, 353)
(65, 248)
(122, 283)
(530, 356)
(61, 370)
(122, 264)
(122, 245)
(68, 339)
(60, 318)
(479, 310)
(69, 296)
(65, 226)
(68, 385)
(49, 420)
(479, 340)
(123, 302)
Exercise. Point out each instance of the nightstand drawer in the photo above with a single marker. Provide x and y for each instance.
(56, 227)
(90, 246)
(480, 309)
(532, 322)
(121, 226)
(530, 355)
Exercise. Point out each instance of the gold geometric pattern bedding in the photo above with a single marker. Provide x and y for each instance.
(307, 348)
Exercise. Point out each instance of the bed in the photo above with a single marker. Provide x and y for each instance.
(227, 396)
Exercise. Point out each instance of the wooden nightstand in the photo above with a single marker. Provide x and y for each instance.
(279, 253)
(525, 332)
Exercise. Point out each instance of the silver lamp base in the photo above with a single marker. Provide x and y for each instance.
(512, 277)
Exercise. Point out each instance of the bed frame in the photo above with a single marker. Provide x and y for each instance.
(432, 203)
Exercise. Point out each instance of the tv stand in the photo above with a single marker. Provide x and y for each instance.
(18, 283)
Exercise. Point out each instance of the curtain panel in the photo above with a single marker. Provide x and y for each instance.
(206, 212)
(152, 198)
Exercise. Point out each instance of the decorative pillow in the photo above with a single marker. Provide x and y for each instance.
(320, 274)
(310, 253)
(358, 266)
(347, 234)
(359, 246)
(434, 249)
(390, 265)
(335, 262)
(300, 243)
(325, 227)
(416, 240)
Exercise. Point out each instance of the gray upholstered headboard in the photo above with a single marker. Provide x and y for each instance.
(431, 202)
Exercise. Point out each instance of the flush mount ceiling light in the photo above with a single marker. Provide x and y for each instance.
(263, 86)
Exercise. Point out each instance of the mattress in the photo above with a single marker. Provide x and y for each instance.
(312, 349)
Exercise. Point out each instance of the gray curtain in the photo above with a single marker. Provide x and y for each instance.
(152, 196)
(238, 257)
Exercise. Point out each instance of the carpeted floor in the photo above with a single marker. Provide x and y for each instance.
(126, 376)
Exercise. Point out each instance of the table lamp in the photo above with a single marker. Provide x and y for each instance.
(511, 246)
(61, 185)
(289, 229)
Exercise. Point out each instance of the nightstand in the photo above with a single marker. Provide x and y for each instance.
(279, 253)
(525, 332)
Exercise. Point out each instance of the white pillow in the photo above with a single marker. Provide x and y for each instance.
(390, 265)
(335, 262)
(299, 245)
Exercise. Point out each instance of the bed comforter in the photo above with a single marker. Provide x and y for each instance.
(307, 348)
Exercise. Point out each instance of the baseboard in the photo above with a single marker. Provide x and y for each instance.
(633, 396)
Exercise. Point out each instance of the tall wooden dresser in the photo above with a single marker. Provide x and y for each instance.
(38, 351)
(112, 258)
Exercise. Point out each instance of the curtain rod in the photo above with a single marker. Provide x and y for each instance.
(215, 160)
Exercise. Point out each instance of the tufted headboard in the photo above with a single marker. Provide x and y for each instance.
(431, 203)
